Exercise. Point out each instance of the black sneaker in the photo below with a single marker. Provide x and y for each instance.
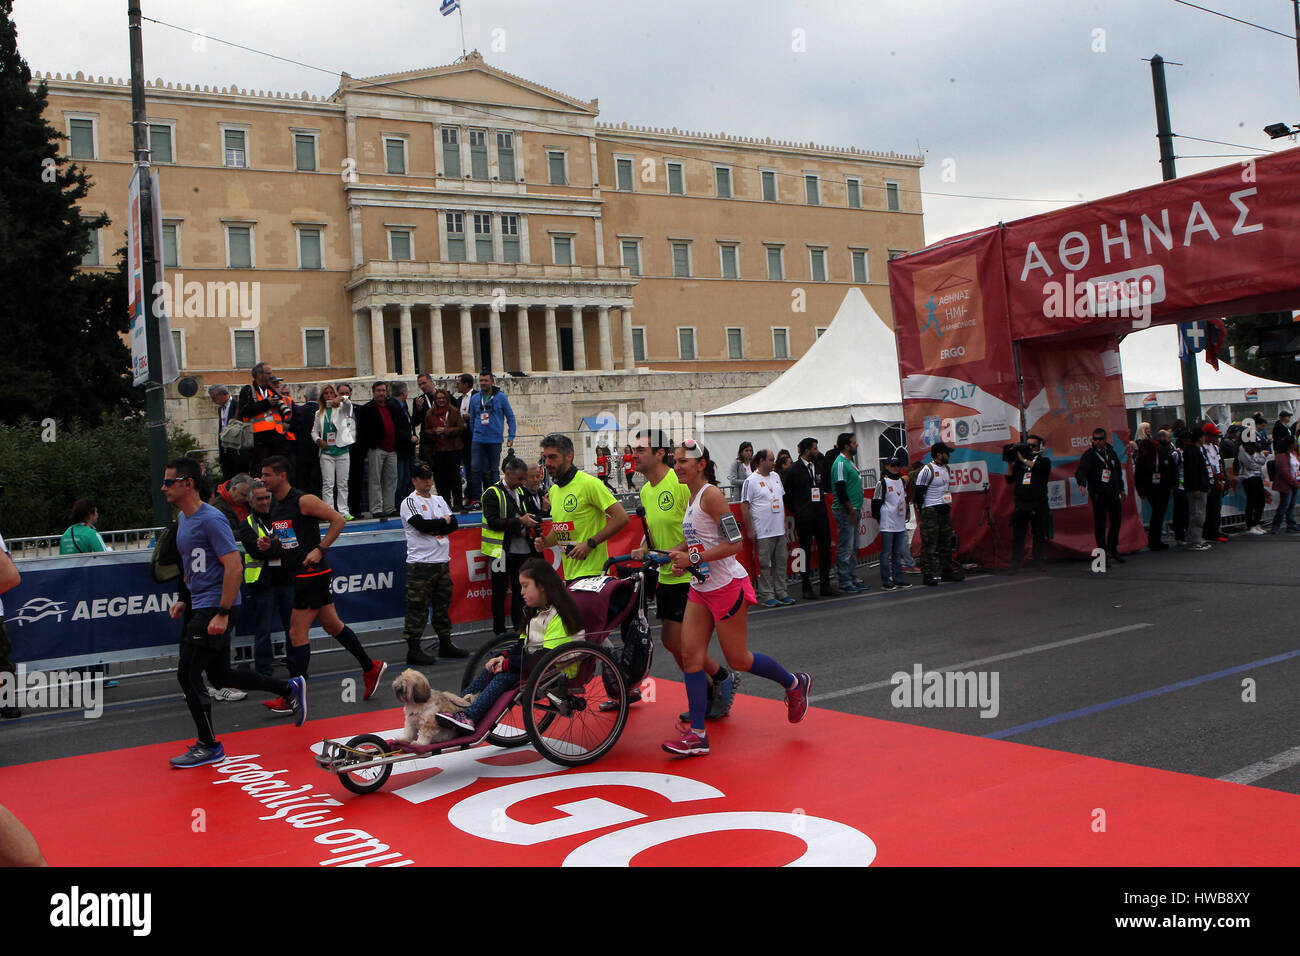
(888, 586)
(633, 697)
(930, 581)
(199, 755)
(418, 655)
(903, 585)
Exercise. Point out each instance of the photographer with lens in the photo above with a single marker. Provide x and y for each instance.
(1028, 471)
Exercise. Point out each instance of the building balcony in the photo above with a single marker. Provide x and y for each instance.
(382, 270)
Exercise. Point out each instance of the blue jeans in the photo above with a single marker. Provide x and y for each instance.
(893, 548)
(1284, 507)
(846, 550)
(266, 602)
(484, 468)
(489, 688)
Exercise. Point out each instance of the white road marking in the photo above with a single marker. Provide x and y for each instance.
(1265, 768)
(1036, 649)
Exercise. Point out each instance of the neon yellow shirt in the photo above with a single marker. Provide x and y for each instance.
(578, 513)
(665, 507)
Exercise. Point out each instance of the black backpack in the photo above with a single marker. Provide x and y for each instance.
(165, 563)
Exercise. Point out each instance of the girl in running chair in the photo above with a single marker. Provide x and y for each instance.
(720, 602)
(551, 618)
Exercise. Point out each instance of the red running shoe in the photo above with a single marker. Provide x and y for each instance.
(278, 706)
(372, 678)
(796, 700)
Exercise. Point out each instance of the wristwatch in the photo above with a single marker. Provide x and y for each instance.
(591, 543)
(223, 611)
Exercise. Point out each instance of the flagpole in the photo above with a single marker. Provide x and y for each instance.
(460, 15)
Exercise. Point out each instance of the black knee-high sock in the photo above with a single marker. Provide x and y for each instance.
(352, 644)
(297, 659)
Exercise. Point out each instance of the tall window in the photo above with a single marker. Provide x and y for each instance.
(236, 145)
(178, 345)
(555, 165)
(510, 238)
(623, 174)
(676, 180)
(722, 179)
(855, 193)
(506, 157)
(483, 236)
(686, 344)
(817, 261)
(455, 237)
(81, 133)
(451, 152)
(304, 152)
(399, 245)
(395, 155)
(478, 158)
(769, 185)
(775, 268)
(309, 248)
(735, 343)
(562, 250)
(859, 258)
(891, 196)
(171, 258)
(682, 259)
(812, 190)
(245, 348)
(160, 143)
(781, 343)
(91, 258)
(638, 344)
(239, 243)
(730, 262)
(632, 256)
(313, 344)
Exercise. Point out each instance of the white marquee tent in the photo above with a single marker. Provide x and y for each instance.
(1153, 377)
(847, 381)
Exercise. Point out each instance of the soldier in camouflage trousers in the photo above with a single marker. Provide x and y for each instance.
(428, 523)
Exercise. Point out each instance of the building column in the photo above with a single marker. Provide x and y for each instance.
(408, 342)
(629, 353)
(498, 363)
(378, 353)
(467, 342)
(361, 343)
(606, 339)
(438, 353)
(579, 343)
(552, 341)
(524, 340)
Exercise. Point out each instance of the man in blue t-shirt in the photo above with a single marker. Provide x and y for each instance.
(213, 571)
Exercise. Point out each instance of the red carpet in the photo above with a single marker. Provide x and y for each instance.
(841, 789)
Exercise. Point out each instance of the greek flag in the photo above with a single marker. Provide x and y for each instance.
(1191, 339)
(449, 7)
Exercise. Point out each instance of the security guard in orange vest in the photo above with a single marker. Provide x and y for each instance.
(266, 409)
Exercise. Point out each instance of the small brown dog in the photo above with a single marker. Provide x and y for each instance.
(422, 705)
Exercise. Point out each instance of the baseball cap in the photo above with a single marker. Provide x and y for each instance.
(1284, 414)
(939, 448)
(1209, 428)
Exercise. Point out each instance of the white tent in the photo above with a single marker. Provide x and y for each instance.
(847, 381)
(1153, 376)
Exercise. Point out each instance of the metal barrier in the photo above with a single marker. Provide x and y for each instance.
(47, 545)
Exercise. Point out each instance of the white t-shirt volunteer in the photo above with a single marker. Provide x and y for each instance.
(893, 512)
(422, 547)
(765, 495)
(937, 490)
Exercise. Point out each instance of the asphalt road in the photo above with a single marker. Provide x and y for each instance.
(1153, 663)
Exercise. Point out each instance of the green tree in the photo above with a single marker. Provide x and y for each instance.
(64, 356)
(1243, 334)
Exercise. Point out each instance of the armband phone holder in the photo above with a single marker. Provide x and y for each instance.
(729, 527)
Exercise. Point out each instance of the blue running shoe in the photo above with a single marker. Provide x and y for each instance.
(200, 755)
(721, 701)
(298, 700)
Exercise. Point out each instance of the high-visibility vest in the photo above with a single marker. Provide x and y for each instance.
(252, 566)
(270, 420)
(493, 541)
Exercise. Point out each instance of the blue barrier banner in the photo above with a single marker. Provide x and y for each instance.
(100, 607)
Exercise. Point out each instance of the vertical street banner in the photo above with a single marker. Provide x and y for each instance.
(137, 300)
(958, 376)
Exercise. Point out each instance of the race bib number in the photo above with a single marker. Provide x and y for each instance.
(816, 494)
(1105, 475)
(593, 585)
(1026, 480)
(284, 531)
(331, 439)
(563, 531)
(947, 497)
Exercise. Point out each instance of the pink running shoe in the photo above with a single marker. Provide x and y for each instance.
(797, 700)
(691, 745)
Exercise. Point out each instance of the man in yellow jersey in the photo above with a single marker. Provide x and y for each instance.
(584, 514)
(664, 499)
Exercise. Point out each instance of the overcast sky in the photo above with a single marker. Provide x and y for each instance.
(1034, 100)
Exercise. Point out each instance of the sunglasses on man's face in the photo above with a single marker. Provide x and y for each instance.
(168, 482)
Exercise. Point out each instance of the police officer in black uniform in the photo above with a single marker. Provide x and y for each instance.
(1099, 473)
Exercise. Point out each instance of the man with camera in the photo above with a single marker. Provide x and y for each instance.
(1028, 471)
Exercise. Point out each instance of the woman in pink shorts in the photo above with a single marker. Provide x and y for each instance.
(721, 602)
